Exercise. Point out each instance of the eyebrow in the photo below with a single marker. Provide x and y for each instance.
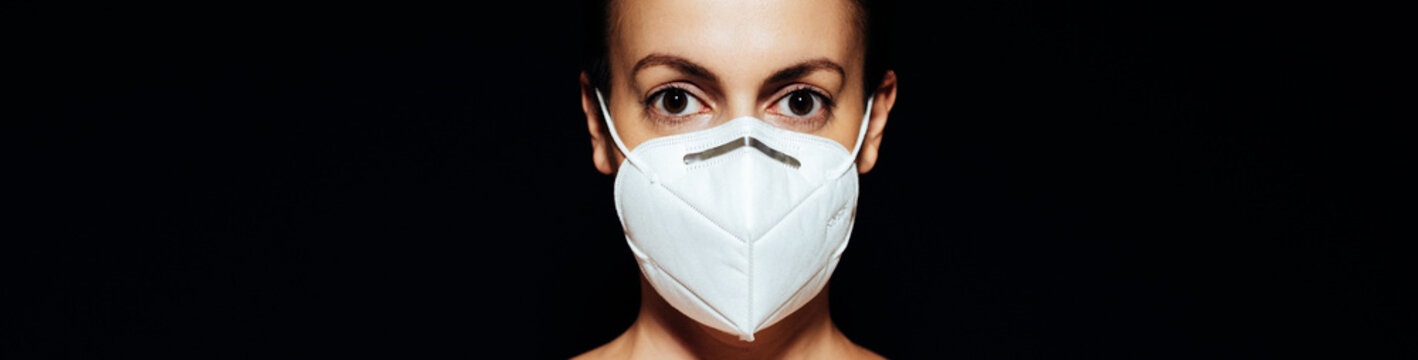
(678, 63)
(803, 68)
(690, 68)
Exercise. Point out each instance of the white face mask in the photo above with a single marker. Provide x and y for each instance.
(739, 225)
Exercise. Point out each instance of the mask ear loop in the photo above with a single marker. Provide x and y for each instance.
(861, 135)
(634, 160)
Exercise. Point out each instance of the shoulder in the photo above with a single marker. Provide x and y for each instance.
(852, 350)
(597, 353)
(615, 349)
(864, 353)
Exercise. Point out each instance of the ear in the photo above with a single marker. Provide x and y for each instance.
(882, 101)
(601, 147)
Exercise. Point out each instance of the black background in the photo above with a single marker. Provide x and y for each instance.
(1058, 180)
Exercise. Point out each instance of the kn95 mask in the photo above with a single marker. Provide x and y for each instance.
(739, 225)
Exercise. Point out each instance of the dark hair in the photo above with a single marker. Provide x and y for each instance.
(873, 19)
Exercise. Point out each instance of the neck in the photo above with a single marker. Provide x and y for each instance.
(662, 332)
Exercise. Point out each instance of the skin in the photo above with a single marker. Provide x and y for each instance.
(734, 58)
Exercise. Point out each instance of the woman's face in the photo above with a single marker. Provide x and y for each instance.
(680, 66)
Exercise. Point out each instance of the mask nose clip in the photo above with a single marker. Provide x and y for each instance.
(735, 144)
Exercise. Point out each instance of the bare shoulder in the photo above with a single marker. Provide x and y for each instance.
(601, 352)
(597, 353)
(615, 349)
(866, 354)
(853, 350)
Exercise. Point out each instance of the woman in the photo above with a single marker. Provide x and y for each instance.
(735, 130)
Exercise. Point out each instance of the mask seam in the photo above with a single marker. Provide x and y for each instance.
(749, 275)
(751, 246)
(778, 222)
(636, 249)
(749, 308)
(816, 191)
(681, 284)
(796, 206)
(701, 213)
(829, 255)
(820, 269)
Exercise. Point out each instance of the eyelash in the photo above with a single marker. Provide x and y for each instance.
(649, 101)
(810, 122)
(827, 102)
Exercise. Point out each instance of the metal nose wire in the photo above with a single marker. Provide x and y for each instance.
(735, 144)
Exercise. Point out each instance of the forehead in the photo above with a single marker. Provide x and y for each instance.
(742, 37)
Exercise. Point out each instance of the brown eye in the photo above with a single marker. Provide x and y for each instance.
(676, 102)
(800, 102)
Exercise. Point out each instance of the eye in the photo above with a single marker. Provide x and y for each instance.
(801, 103)
(676, 102)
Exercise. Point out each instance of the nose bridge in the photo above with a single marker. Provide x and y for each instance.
(740, 104)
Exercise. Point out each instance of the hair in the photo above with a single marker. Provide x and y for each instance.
(872, 19)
